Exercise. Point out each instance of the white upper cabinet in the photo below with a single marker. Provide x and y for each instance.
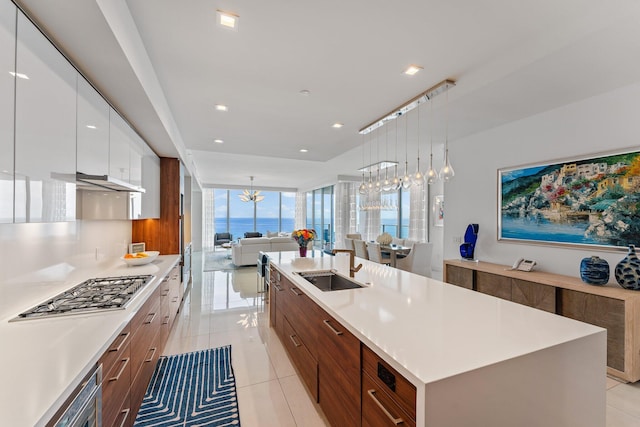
(7, 98)
(45, 129)
(151, 183)
(135, 158)
(93, 131)
(119, 147)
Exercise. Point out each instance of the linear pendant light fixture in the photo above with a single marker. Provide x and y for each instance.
(430, 176)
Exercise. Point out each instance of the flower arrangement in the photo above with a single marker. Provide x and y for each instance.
(384, 239)
(304, 236)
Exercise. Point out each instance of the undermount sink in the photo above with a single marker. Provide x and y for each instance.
(329, 280)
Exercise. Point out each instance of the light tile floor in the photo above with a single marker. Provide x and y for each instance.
(224, 307)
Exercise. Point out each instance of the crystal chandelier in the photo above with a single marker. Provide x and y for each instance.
(250, 195)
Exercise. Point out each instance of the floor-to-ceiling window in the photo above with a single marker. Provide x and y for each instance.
(275, 213)
(320, 215)
(394, 209)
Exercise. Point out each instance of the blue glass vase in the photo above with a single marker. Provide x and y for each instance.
(594, 270)
(628, 271)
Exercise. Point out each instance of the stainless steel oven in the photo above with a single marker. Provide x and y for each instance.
(84, 408)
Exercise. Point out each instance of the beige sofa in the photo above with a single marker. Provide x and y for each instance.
(245, 251)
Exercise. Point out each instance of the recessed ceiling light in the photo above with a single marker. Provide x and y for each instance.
(218, 141)
(305, 92)
(221, 107)
(91, 127)
(19, 75)
(227, 20)
(337, 125)
(304, 150)
(412, 69)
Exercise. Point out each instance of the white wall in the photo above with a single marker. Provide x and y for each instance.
(605, 123)
(52, 251)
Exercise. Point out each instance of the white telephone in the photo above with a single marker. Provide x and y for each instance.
(523, 264)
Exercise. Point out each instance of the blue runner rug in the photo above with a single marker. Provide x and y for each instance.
(191, 389)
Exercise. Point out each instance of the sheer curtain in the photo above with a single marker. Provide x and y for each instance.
(346, 219)
(370, 222)
(208, 218)
(301, 211)
(418, 213)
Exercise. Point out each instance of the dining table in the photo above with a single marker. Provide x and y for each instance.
(394, 251)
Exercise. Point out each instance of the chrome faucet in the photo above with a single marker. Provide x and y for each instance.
(352, 255)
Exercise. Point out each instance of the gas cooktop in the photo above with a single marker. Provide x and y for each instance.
(93, 295)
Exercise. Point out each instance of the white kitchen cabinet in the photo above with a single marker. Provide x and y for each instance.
(151, 183)
(93, 131)
(119, 147)
(7, 98)
(136, 151)
(45, 129)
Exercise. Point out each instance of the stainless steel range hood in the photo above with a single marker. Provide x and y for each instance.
(105, 182)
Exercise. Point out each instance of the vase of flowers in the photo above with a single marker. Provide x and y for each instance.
(303, 237)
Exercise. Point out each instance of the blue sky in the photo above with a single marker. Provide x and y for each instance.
(267, 208)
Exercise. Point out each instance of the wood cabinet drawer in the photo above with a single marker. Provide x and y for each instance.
(339, 372)
(303, 360)
(125, 416)
(459, 276)
(142, 315)
(391, 381)
(141, 381)
(142, 341)
(379, 409)
(493, 284)
(115, 386)
(534, 295)
(303, 315)
(115, 350)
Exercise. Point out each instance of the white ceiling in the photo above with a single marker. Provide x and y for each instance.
(164, 64)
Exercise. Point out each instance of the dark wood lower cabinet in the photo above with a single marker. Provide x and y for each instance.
(129, 362)
(304, 361)
(379, 409)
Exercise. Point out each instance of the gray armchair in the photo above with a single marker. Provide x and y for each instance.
(220, 238)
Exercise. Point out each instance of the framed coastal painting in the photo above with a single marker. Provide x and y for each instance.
(438, 211)
(585, 201)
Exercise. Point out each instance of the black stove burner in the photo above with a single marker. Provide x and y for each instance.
(104, 293)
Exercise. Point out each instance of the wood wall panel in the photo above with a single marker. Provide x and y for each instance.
(163, 234)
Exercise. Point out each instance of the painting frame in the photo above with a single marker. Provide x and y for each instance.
(438, 210)
(590, 201)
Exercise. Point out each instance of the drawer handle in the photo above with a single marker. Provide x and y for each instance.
(125, 416)
(153, 316)
(326, 322)
(395, 421)
(294, 341)
(124, 339)
(152, 354)
(166, 292)
(124, 365)
(295, 292)
(278, 288)
(166, 322)
(175, 299)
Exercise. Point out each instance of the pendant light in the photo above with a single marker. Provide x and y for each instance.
(418, 177)
(250, 195)
(395, 182)
(370, 184)
(363, 187)
(386, 184)
(378, 185)
(406, 179)
(431, 175)
(447, 172)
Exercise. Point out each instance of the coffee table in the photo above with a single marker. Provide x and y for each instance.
(227, 246)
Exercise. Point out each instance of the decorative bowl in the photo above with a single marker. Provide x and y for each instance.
(141, 260)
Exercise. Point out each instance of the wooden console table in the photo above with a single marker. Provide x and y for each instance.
(610, 307)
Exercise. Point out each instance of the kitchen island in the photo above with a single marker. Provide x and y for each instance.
(43, 360)
(473, 359)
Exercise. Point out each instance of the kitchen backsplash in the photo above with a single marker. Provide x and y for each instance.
(49, 251)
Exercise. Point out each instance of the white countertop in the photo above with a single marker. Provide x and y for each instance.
(427, 329)
(43, 360)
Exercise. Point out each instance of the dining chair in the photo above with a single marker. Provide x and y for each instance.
(348, 244)
(418, 260)
(354, 236)
(375, 254)
(361, 249)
